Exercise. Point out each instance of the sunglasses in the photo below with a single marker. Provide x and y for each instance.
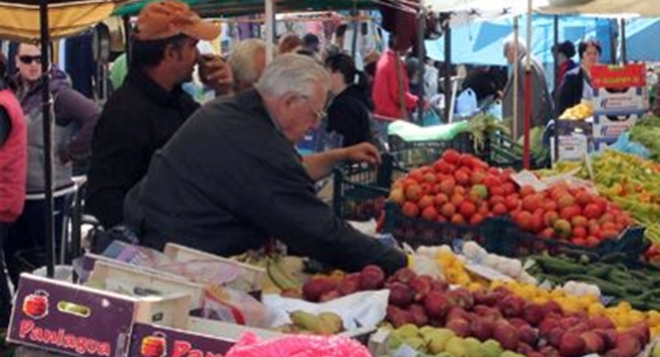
(29, 59)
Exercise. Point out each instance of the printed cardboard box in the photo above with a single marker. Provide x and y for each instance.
(619, 88)
(614, 124)
(203, 338)
(76, 320)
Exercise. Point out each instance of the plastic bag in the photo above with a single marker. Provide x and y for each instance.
(624, 144)
(430, 118)
(411, 132)
(249, 345)
(466, 103)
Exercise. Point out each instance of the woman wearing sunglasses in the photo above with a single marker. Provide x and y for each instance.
(74, 120)
(13, 162)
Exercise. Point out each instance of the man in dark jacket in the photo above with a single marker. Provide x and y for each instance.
(150, 106)
(230, 179)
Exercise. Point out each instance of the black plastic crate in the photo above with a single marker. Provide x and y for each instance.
(418, 153)
(360, 190)
(417, 232)
(501, 151)
(517, 243)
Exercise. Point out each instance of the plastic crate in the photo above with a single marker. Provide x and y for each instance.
(501, 151)
(360, 190)
(418, 153)
(516, 243)
(417, 232)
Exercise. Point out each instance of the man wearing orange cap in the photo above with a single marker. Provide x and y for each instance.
(150, 105)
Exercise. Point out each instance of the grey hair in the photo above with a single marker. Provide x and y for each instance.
(511, 41)
(293, 73)
(241, 60)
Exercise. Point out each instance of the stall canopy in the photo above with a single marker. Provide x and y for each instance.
(220, 8)
(20, 19)
(481, 43)
(647, 8)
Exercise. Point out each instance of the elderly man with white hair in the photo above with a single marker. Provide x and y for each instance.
(231, 180)
(541, 101)
(247, 60)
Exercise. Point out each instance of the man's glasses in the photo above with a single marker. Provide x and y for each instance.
(320, 113)
(29, 59)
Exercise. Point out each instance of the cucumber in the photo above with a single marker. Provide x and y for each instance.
(600, 271)
(559, 267)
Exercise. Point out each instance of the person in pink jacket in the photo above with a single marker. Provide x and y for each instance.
(13, 173)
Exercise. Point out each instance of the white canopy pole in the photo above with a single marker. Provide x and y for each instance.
(270, 29)
(516, 39)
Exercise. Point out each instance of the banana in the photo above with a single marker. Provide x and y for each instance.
(279, 276)
(332, 321)
(310, 322)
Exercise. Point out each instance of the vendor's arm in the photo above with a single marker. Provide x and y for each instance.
(281, 202)
(71, 106)
(5, 126)
(321, 165)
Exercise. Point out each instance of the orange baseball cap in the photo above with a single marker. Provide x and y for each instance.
(164, 19)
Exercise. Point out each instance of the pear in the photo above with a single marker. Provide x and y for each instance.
(491, 348)
(457, 347)
(437, 340)
(474, 347)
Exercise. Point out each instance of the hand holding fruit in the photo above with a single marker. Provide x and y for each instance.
(364, 152)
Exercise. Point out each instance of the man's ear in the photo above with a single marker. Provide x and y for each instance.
(172, 53)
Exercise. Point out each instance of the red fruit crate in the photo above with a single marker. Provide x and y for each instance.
(418, 153)
(418, 232)
(360, 191)
(516, 243)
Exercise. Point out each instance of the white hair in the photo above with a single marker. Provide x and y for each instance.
(241, 60)
(511, 41)
(293, 73)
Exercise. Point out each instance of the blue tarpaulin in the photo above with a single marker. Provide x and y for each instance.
(482, 42)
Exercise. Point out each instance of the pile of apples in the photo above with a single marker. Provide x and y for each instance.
(464, 190)
(533, 330)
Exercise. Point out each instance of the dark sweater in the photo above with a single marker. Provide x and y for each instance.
(229, 180)
(349, 116)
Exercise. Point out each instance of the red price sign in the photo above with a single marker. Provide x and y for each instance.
(633, 75)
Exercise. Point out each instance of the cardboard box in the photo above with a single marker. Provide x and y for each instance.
(203, 338)
(606, 100)
(132, 280)
(614, 124)
(619, 88)
(571, 147)
(81, 321)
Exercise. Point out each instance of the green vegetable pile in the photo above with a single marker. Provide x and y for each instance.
(647, 132)
(639, 286)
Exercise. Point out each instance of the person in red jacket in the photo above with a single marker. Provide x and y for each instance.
(13, 174)
(389, 100)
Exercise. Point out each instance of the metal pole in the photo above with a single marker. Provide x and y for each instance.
(356, 28)
(556, 120)
(515, 76)
(421, 53)
(527, 123)
(270, 29)
(624, 45)
(448, 88)
(128, 30)
(48, 138)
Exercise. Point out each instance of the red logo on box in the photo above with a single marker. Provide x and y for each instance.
(35, 305)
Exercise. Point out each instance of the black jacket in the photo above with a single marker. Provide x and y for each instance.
(571, 90)
(139, 118)
(349, 116)
(229, 180)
